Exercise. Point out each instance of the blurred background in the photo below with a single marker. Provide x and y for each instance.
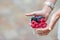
(14, 24)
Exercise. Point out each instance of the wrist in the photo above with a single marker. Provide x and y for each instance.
(47, 9)
(49, 5)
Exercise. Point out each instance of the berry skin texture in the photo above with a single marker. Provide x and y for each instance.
(33, 26)
(40, 22)
(43, 26)
(33, 22)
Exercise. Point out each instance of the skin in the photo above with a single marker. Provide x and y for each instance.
(53, 21)
(46, 10)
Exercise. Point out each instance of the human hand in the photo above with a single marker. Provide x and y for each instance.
(42, 31)
(39, 13)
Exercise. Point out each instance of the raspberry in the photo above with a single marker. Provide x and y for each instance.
(33, 22)
(38, 22)
(33, 26)
(43, 26)
(37, 26)
(42, 20)
(40, 25)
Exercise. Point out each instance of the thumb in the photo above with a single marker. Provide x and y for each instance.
(30, 14)
(36, 13)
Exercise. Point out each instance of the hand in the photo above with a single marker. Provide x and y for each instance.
(39, 13)
(44, 31)
(53, 21)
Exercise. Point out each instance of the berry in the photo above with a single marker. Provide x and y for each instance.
(38, 22)
(40, 25)
(33, 22)
(42, 20)
(33, 26)
(43, 26)
(37, 26)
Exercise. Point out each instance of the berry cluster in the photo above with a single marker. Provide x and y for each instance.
(38, 22)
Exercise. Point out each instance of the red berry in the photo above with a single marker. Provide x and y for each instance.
(37, 26)
(43, 26)
(33, 26)
(42, 20)
(36, 23)
(33, 21)
(40, 25)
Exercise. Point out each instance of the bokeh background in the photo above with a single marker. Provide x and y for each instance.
(14, 24)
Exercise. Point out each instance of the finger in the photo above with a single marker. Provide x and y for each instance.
(43, 34)
(40, 34)
(35, 14)
(46, 32)
(30, 14)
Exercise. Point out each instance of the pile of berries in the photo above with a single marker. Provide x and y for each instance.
(38, 22)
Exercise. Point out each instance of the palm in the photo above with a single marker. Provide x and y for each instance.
(42, 31)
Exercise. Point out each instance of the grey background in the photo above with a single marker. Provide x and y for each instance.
(14, 24)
